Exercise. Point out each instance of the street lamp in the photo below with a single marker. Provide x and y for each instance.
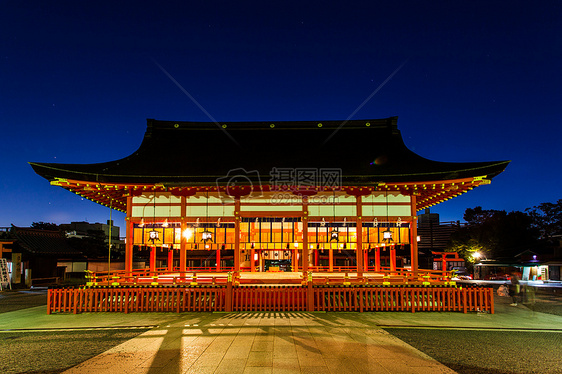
(477, 256)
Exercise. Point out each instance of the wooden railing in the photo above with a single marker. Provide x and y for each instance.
(385, 276)
(232, 298)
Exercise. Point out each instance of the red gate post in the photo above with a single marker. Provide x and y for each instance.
(171, 259)
(414, 235)
(359, 240)
(153, 259)
(218, 264)
(316, 257)
(309, 293)
(75, 301)
(228, 296)
(49, 296)
(393, 258)
(305, 249)
(126, 306)
(129, 230)
(183, 245)
(237, 234)
(361, 304)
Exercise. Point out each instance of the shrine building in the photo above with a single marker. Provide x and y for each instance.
(326, 196)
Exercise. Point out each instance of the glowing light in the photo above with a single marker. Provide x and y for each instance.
(188, 233)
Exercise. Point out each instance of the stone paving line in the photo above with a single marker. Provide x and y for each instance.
(263, 343)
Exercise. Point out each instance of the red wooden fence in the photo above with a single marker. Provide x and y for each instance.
(269, 298)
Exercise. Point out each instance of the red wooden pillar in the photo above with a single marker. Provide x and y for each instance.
(295, 259)
(366, 259)
(171, 259)
(377, 259)
(414, 236)
(218, 257)
(359, 233)
(444, 264)
(129, 231)
(183, 242)
(252, 259)
(305, 249)
(237, 234)
(331, 258)
(316, 257)
(152, 259)
(392, 258)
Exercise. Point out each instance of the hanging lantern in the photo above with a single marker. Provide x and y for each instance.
(387, 235)
(334, 235)
(206, 236)
(153, 236)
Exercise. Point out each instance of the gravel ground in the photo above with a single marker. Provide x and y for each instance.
(16, 300)
(488, 352)
(53, 352)
(544, 301)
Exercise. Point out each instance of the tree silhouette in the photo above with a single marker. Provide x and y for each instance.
(495, 233)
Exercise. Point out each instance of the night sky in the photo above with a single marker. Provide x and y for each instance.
(473, 81)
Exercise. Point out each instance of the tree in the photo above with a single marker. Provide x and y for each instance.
(45, 226)
(494, 233)
(547, 218)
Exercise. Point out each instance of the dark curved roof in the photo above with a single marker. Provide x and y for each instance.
(42, 242)
(197, 153)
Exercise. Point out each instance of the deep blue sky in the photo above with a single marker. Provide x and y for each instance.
(481, 82)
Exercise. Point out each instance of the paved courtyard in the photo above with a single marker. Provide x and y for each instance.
(263, 343)
(267, 342)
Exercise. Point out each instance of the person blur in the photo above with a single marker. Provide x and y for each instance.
(514, 288)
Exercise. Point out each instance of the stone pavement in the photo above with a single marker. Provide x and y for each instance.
(272, 342)
(263, 343)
